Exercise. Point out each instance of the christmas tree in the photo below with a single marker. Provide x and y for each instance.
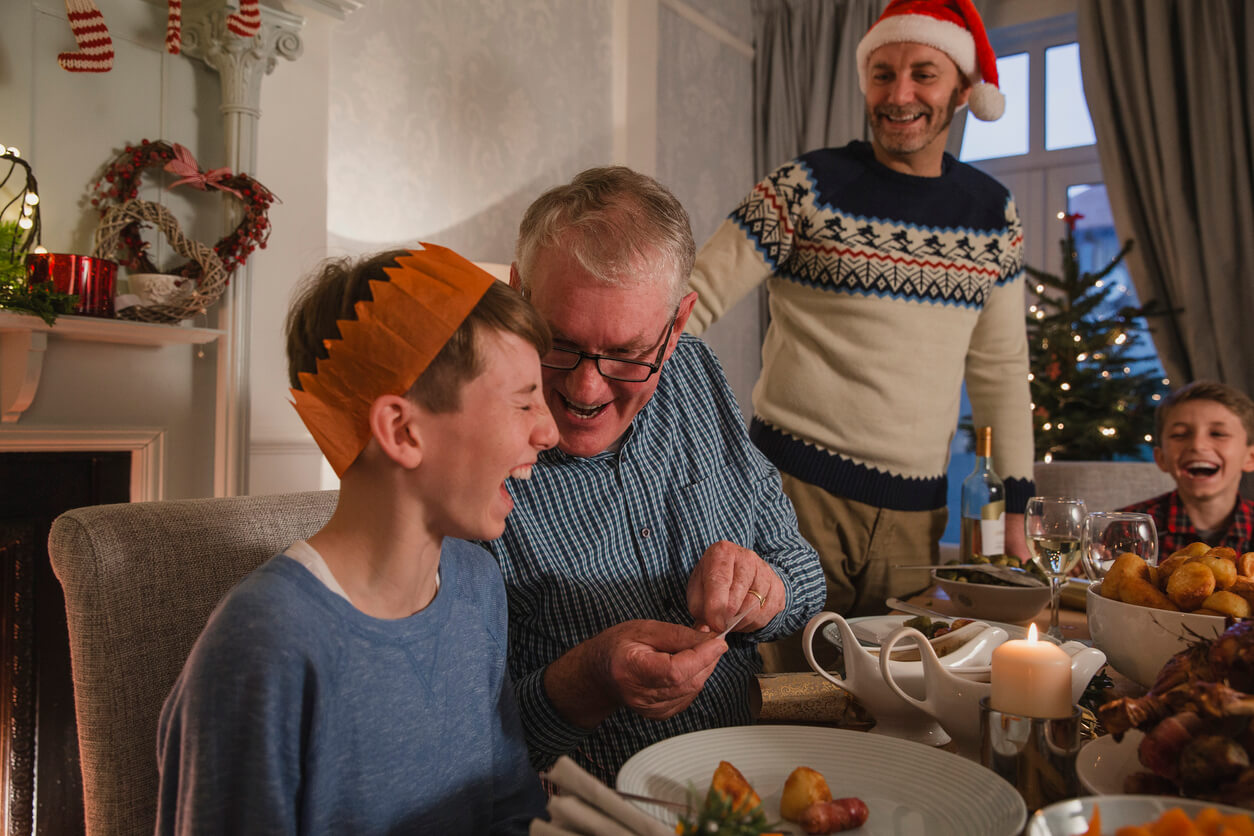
(1093, 391)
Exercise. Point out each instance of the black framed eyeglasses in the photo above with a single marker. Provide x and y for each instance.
(614, 368)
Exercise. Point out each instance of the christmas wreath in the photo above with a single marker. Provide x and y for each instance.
(120, 183)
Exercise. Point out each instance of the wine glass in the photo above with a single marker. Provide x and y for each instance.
(1054, 527)
(1108, 534)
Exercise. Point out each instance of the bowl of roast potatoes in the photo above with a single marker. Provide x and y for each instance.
(1141, 615)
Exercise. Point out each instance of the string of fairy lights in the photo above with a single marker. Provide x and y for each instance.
(1120, 338)
(24, 203)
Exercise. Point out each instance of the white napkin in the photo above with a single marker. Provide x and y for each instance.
(589, 808)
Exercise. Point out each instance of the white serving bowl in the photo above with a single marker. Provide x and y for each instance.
(1071, 817)
(993, 602)
(1138, 640)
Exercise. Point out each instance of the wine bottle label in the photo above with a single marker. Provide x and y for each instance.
(993, 528)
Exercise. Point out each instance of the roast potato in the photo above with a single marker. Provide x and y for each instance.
(1171, 564)
(1222, 552)
(1190, 585)
(1244, 587)
(1225, 571)
(1245, 565)
(804, 787)
(728, 782)
(1141, 592)
(1228, 603)
(1126, 566)
(1195, 549)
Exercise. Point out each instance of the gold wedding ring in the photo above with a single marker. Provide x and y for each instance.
(758, 595)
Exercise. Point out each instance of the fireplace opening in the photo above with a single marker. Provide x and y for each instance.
(41, 787)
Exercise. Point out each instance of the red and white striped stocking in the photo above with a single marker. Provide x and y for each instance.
(247, 21)
(95, 46)
(174, 27)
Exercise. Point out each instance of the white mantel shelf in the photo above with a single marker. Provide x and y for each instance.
(24, 339)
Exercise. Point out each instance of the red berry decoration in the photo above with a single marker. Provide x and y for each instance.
(120, 182)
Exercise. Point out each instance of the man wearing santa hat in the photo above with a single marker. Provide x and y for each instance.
(895, 273)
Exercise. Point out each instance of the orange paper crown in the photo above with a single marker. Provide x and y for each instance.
(382, 352)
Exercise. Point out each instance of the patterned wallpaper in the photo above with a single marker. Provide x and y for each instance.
(448, 117)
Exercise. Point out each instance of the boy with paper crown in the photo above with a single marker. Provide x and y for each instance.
(356, 683)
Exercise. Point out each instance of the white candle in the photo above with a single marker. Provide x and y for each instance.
(1031, 678)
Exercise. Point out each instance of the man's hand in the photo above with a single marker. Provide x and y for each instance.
(653, 668)
(728, 579)
(1016, 540)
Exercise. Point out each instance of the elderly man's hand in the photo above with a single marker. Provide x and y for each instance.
(657, 668)
(653, 668)
(728, 579)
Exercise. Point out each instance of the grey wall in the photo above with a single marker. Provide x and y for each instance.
(448, 117)
(705, 153)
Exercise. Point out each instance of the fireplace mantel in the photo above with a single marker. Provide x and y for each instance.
(23, 340)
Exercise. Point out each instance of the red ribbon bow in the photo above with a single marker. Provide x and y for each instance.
(186, 167)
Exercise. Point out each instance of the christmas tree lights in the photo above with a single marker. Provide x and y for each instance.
(1090, 398)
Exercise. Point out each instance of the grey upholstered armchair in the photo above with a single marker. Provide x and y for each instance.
(140, 581)
(1104, 486)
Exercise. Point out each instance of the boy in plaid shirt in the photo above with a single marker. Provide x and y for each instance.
(1205, 435)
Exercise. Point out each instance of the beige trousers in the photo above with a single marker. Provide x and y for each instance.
(857, 544)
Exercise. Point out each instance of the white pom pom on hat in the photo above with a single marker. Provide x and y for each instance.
(952, 26)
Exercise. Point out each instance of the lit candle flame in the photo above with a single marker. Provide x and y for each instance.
(1031, 633)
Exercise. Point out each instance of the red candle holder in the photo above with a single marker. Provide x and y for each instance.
(92, 279)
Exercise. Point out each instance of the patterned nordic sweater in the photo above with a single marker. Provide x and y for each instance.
(886, 291)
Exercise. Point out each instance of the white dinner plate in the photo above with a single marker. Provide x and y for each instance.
(1071, 817)
(910, 789)
(1102, 764)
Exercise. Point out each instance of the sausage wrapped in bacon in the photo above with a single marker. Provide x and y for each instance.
(834, 816)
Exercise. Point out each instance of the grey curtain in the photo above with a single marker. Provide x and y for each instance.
(805, 80)
(1171, 92)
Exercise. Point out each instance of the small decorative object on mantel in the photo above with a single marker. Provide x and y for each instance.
(19, 235)
(89, 279)
(210, 274)
(120, 183)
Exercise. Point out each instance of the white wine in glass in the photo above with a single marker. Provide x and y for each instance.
(1055, 555)
(1054, 528)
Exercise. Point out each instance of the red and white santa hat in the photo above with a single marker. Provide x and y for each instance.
(952, 26)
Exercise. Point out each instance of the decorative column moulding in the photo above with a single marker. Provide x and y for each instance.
(241, 63)
(24, 340)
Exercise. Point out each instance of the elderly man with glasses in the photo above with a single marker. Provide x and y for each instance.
(655, 525)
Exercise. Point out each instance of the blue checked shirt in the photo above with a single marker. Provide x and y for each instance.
(596, 541)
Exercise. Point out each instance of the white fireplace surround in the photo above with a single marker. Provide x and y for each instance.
(146, 446)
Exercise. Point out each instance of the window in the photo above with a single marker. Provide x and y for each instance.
(1067, 121)
(1008, 136)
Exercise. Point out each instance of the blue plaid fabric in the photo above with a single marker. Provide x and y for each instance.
(596, 541)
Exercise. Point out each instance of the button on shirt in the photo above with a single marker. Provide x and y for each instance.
(595, 541)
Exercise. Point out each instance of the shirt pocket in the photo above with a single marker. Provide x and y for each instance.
(718, 507)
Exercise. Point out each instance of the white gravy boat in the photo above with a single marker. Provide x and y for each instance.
(894, 714)
(954, 701)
